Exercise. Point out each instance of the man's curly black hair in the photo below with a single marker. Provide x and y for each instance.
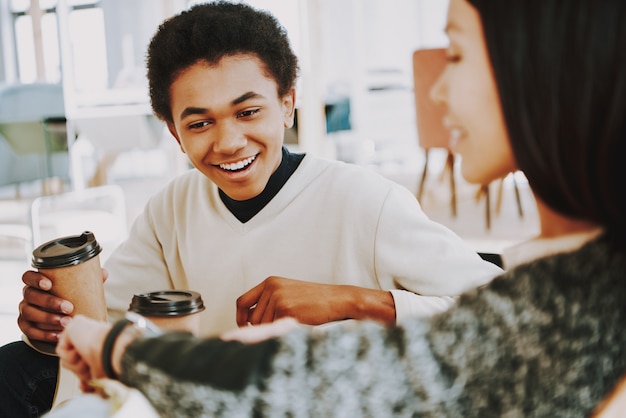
(208, 32)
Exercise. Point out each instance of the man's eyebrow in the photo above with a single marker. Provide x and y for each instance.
(192, 111)
(201, 110)
(244, 97)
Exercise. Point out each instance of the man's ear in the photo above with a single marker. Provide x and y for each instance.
(289, 108)
(172, 129)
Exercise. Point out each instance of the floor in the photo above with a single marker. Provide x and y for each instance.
(507, 226)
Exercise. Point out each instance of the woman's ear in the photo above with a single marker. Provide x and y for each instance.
(172, 129)
(289, 108)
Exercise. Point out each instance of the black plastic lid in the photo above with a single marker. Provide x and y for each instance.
(66, 251)
(165, 303)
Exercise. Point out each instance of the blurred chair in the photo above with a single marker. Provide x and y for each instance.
(15, 232)
(112, 135)
(101, 210)
(33, 125)
(428, 64)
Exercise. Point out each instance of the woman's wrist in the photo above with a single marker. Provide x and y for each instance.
(127, 336)
(108, 346)
(136, 326)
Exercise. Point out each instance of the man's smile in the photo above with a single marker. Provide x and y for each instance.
(239, 165)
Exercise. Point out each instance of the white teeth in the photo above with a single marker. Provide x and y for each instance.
(455, 132)
(455, 135)
(238, 165)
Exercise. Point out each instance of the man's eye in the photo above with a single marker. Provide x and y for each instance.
(248, 113)
(198, 125)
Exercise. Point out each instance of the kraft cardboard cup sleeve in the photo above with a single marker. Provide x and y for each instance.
(72, 263)
(172, 310)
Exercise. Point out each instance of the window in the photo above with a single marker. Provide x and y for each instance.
(37, 47)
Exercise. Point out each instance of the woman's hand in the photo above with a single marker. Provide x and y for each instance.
(254, 334)
(80, 348)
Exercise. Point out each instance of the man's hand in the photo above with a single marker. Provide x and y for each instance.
(312, 303)
(43, 316)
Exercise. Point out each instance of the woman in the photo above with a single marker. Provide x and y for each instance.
(536, 86)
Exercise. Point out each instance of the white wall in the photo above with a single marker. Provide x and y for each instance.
(346, 47)
(366, 54)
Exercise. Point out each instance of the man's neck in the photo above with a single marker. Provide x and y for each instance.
(244, 210)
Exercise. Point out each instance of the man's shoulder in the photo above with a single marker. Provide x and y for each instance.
(351, 173)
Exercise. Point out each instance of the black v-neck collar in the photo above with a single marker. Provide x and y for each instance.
(244, 210)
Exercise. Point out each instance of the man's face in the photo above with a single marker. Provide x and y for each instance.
(230, 122)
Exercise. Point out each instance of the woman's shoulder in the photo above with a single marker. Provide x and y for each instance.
(590, 263)
(579, 280)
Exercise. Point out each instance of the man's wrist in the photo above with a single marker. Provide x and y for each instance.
(374, 304)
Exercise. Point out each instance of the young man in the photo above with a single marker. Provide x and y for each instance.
(260, 232)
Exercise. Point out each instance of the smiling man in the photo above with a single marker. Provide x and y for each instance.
(260, 232)
(231, 134)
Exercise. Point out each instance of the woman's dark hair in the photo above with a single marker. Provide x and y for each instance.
(208, 32)
(560, 68)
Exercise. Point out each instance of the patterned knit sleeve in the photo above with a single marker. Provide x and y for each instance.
(366, 370)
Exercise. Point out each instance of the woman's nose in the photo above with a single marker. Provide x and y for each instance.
(438, 90)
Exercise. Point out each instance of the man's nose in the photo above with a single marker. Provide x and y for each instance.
(229, 138)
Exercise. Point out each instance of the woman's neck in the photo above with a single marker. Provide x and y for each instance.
(554, 224)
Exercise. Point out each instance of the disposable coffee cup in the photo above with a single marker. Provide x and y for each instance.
(72, 263)
(172, 310)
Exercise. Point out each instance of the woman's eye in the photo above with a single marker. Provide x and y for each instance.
(248, 113)
(453, 58)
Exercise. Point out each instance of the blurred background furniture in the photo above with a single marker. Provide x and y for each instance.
(15, 231)
(428, 64)
(101, 210)
(112, 133)
(33, 143)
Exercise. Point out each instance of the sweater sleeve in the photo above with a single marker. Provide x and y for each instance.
(417, 254)
(137, 264)
(409, 304)
(225, 365)
(368, 371)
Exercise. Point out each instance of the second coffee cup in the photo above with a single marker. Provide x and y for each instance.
(172, 310)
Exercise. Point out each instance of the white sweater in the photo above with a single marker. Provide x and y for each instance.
(332, 222)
